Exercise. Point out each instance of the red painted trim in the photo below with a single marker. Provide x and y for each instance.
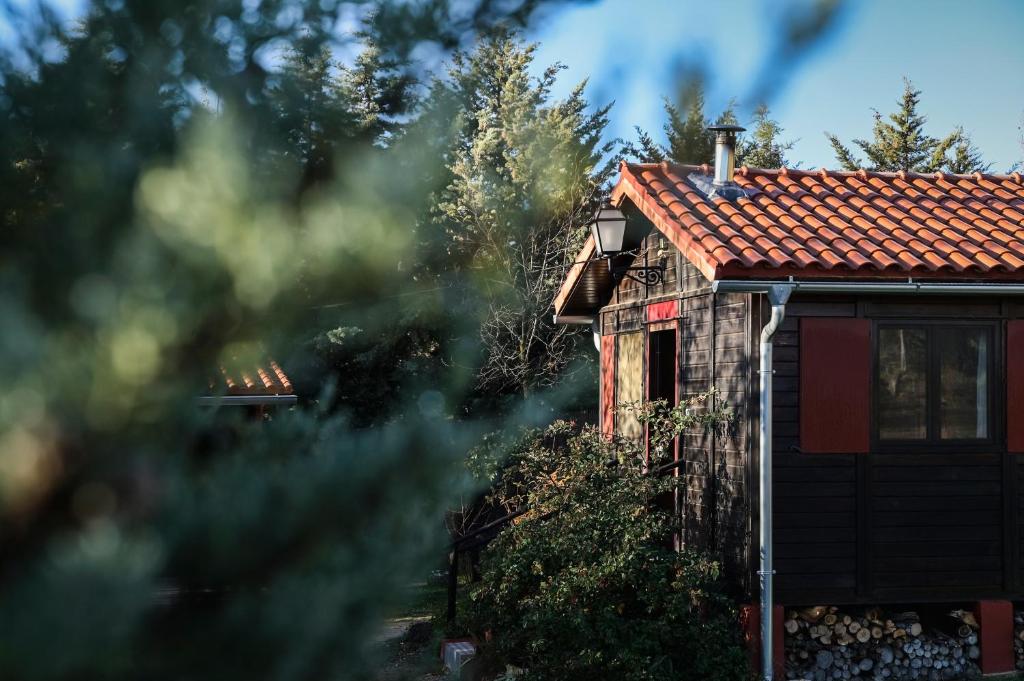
(750, 622)
(835, 385)
(995, 634)
(1015, 385)
(608, 385)
(657, 312)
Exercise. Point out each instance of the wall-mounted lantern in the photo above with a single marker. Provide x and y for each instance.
(615, 236)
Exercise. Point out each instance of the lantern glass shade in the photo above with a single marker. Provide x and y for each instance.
(609, 230)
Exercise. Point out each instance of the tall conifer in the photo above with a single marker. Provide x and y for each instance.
(900, 143)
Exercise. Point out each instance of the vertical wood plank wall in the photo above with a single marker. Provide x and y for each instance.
(714, 334)
(889, 527)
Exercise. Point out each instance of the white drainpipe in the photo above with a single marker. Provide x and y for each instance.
(778, 293)
(777, 297)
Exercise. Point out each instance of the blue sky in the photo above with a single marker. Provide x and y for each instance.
(966, 56)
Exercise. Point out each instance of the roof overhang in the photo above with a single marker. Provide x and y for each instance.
(585, 289)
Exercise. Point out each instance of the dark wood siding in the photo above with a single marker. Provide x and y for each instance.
(936, 524)
(732, 378)
(815, 512)
(694, 378)
(895, 526)
(1015, 385)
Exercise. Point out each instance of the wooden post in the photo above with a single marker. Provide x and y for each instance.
(995, 633)
(453, 582)
(750, 621)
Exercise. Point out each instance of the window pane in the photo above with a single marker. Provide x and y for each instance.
(902, 384)
(963, 383)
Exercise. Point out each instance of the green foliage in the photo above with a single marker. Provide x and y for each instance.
(762, 148)
(169, 202)
(524, 175)
(690, 141)
(507, 180)
(586, 584)
(322, 108)
(966, 157)
(686, 130)
(900, 143)
(688, 138)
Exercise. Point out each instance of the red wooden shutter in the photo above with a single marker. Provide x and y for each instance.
(668, 309)
(1015, 385)
(835, 385)
(607, 385)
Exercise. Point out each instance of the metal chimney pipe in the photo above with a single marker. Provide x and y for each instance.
(725, 152)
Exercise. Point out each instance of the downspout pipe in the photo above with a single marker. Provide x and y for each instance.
(778, 296)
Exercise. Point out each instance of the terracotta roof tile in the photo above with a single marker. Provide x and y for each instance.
(827, 223)
(265, 379)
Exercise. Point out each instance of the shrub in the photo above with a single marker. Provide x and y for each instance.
(586, 585)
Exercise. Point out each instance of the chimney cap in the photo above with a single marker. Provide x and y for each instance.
(727, 128)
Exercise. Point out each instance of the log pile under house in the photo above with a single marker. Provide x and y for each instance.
(867, 331)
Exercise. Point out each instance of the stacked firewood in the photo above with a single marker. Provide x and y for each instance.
(1018, 638)
(824, 644)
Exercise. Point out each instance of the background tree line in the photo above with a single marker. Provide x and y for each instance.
(189, 184)
(898, 142)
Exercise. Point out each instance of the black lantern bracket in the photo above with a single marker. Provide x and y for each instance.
(648, 275)
(615, 236)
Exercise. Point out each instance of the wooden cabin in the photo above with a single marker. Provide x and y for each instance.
(897, 392)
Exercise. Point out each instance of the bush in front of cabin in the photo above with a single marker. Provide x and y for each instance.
(586, 585)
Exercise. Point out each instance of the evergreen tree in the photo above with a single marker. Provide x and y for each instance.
(526, 172)
(644, 148)
(690, 141)
(322, 108)
(149, 235)
(966, 157)
(762, 148)
(900, 142)
(687, 134)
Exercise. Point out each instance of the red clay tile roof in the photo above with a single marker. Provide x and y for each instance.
(828, 224)
(838, 224)
(269, 379)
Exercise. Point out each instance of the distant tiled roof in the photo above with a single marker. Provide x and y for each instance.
(828, 224)
(266, 379)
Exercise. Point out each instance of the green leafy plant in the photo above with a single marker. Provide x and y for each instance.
(586, 584)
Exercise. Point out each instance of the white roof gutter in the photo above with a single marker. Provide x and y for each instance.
(778, 292)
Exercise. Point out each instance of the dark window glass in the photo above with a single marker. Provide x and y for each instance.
(903, 380)
(934, 383)
(963, 383)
